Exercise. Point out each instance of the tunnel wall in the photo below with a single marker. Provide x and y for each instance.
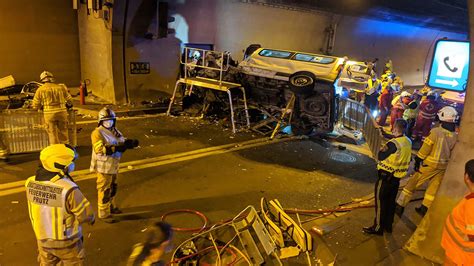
(227, 25)
(232, 26)
(410, 48)
(37, 36)
(96, 54)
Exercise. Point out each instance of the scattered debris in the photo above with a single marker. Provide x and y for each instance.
(144, 229)
(15, 202)
(130, 167)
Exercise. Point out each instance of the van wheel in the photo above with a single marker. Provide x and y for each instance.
(302, 82)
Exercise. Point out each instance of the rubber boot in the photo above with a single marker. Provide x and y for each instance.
(421, 210)
(399, 210)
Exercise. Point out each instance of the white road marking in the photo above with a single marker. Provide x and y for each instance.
(85, 174)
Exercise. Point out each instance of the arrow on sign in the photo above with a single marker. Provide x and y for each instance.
(453, 82)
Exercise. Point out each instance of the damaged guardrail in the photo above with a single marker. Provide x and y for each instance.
(354, 115)
(23, 131)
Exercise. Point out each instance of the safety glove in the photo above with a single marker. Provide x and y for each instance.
(131, 143)
(418, 162)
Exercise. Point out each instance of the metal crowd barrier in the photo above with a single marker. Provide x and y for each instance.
(23, 131)
(354, 115)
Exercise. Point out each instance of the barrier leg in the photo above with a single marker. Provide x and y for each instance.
(245, 106)
(172, 98)
(231, 111)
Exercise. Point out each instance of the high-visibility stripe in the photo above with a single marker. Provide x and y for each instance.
(427, 115)
(449, 225)
(377, 217)
(56, 223)
(398, 162)
(429, 197)
(31, 215)
(429, 141)
(470, 227)
(98, 143)
(458, 231)
(407, 192)
(81, 206)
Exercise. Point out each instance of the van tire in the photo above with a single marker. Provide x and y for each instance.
(302, 82)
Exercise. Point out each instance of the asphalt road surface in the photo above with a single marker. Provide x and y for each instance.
(185, 163)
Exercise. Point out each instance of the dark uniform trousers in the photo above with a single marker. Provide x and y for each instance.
(386, 189)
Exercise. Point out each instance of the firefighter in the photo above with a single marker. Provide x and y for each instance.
(399, 105)
(54, 100)
(394, 159)
(429, 107)
(374, 85)
(431, 161)
(57, 208)
(108, 144)
(458, 232)
(156, 244)
(385, 100)
(411, 112)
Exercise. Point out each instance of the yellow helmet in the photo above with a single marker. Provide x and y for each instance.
(57, 157)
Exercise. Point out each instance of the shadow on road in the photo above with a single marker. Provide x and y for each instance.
(315, 155)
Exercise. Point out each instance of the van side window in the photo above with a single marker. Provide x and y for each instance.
(313, 58)
(275, 53)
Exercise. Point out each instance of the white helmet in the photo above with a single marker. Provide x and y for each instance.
(46, 76)
(405, 94)
(448, 114)
(196, 55)
(106, 114)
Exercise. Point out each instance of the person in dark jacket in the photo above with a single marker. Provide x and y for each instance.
(157, 243)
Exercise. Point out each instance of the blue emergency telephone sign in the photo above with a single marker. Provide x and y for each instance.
(450, 65)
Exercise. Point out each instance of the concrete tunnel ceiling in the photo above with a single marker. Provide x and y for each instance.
(446, 15)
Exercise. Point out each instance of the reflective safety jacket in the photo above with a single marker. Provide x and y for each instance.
(101, 162)
(411, 113)
(373, 86)
(437, 148)
(428, 109)
(57, 208)
(398, 162)
(458, 227)
(51, 98)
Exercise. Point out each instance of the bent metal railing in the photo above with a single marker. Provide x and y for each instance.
(354, 115)
(23, 131)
